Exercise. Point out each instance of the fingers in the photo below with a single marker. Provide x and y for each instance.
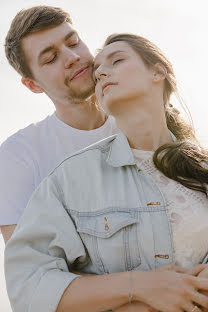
(204, 292)
(200, 283)
(197, 269)
(178, 269)
(171, 267)
(200, 299)
(191, 308)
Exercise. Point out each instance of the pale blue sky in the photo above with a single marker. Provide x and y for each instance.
(178, 27)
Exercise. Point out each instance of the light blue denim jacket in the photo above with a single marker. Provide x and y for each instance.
(95, 213)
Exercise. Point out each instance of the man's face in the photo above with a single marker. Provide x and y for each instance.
(60, 62)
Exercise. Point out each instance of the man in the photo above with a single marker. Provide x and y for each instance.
(44, 48)
(47, 52)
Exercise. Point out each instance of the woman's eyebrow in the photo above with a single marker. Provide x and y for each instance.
(96, 65)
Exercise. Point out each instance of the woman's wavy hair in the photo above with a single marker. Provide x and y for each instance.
(185, 160)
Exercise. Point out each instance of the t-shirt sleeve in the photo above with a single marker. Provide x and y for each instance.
(17, 181)
(44, 244)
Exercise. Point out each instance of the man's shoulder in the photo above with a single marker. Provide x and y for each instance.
(25, 136)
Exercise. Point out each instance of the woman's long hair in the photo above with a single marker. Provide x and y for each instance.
(182, 160)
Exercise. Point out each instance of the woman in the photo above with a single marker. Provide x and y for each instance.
(107, 209)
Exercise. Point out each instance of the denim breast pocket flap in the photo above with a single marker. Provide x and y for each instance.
(107, 223)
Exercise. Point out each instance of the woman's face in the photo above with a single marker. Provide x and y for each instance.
(121, 76)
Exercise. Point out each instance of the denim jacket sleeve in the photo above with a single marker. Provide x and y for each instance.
(37, 256)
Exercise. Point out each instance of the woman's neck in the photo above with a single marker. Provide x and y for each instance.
(145, 129)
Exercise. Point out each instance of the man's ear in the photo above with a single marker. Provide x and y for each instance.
(160, 72)
(31, 85)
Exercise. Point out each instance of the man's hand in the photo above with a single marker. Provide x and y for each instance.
(7, 231)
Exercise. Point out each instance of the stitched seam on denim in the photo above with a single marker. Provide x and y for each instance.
(98, 259)
(106, 210)
(134, 232)
(109, 154)
(128, 257)
(153, 238)
(104, 234)
(166, 213)
(101, 148)
(171, 237)
(124, 249)
(137, 242)
(60, 192)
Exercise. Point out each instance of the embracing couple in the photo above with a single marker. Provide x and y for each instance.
(110, 192)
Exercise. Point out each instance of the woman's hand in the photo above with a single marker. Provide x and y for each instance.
(171, 267)
(199, 270)
(170, 291)
(143, 307)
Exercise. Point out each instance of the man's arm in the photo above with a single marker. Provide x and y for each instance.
(7, 231)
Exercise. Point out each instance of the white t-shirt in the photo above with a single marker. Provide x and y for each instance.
(29, 155)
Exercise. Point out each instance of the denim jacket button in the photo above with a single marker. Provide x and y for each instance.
(162, 256)
(154, 204)
(106, 227)
(106, 224)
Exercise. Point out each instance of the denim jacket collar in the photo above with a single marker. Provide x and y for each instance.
(120, 153)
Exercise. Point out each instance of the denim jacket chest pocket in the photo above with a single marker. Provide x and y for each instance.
(110, 237)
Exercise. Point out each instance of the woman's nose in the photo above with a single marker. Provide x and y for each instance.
(101, 72)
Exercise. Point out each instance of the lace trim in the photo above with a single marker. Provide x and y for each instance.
(187, 213)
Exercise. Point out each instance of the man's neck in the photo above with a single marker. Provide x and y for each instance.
(85, 115)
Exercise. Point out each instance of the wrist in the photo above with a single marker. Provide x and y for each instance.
(130, 290)
(138, 285)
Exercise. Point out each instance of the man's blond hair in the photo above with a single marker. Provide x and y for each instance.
(24, 23)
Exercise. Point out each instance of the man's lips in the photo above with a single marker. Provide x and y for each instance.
(79, 72)
(107, 84)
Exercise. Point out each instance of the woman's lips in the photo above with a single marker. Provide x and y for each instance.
(106, 85)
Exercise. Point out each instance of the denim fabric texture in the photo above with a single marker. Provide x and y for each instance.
(95, 213)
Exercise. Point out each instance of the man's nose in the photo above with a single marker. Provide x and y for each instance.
(70, 57)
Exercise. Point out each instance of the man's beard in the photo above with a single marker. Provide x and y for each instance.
(82, 93)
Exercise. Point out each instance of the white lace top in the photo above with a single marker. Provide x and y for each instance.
(187, 211)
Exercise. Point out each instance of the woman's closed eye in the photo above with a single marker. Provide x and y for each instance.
(117, 61)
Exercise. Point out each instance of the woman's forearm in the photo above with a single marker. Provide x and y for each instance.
(102, 292)
(163, 291)
(96, 293)
(134, 306)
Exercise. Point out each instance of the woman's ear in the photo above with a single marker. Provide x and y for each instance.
(31, 85)
(159, 72)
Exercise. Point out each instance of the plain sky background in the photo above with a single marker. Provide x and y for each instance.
(178, 27)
